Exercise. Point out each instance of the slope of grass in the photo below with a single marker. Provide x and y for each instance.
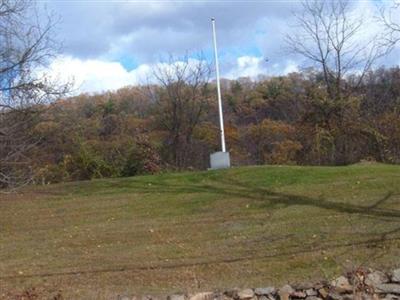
(251, 226)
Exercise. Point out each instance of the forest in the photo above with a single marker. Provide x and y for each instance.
(277, 120)
(341, 109)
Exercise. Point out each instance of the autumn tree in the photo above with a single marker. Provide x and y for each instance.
(181, 97)
(272, 142)
(332, 38)
(26, 45)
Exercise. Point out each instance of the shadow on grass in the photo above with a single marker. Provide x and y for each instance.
(268, 199)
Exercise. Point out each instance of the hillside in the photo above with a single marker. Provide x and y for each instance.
(251, 226)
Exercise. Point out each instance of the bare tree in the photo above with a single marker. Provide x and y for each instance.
(332, 37)
(181, 99)
(390, 17)
(26, 45)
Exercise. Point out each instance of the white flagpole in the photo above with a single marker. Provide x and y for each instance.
(221, 118)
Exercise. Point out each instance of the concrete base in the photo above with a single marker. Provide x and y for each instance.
(220, 160)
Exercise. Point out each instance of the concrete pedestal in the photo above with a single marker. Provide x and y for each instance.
(220, 160)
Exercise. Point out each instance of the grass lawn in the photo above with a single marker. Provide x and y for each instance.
(184, 232)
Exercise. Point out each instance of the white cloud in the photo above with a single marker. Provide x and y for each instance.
(253, 66)
(141, 32)
(95, 75)
(290, 67)
(90, 75)
(247, 66)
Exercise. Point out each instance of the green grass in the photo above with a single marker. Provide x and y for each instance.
(245, 227)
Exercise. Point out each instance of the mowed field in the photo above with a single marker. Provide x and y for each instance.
(185, 232)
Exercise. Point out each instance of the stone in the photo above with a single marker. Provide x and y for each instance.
(245, 294)
(176, 297)
(203, 296)
(375, 278)
(287, 289)
(266, 297)
(392, 297)
(285, 292)
(284, 296)
(358, 296)
(388, 288)
(365, 296)
(232, 293)
(371, 297)
(335, 296)
(342, 285)
(311, 292)
(265, 291)
(323, 293)
(218, 296)
(396, 275)
(298, 294)
(313, 298)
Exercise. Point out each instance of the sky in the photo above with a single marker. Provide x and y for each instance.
(110, 44)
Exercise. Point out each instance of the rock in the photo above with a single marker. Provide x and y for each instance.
(311, 292)
(313, 298)
(245, 294)
(374, 297)
(266, 297)
(364, 296)
(218, 296)
(375, 278)
(342, 285)
(323, 293)
(388, 288)
(203, 296)
(358, 296)
(284, 296)
(233, 293)
(265, 291)
(392, 297)
(298, 294)
(396, 275)
(335, 296)
(287, 289)
(176, 297)
(285, 292)
(340, 281)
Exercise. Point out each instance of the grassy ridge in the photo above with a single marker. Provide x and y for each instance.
(196, 231)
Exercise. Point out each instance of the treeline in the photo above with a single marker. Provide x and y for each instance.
(341, 111)
(279, 120)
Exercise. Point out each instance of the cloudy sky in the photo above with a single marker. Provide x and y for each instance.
(110, 44)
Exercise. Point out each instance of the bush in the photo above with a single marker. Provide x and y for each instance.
(142, 159)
